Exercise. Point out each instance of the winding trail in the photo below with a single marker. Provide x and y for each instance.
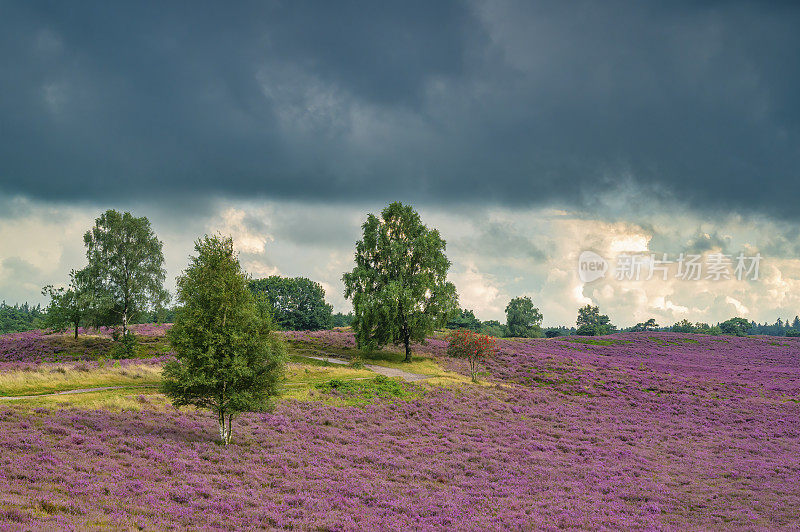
(381, 370)
(70, 392)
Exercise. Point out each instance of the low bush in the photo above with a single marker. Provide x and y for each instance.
(463, 343)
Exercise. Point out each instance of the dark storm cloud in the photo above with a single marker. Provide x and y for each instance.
(520, 104)
(502, 241)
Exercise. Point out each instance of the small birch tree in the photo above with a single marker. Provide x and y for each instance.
(228, 359)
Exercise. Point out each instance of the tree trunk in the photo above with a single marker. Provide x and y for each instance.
(225, 428)
(124, 322)
(407, 342)
(76, 331)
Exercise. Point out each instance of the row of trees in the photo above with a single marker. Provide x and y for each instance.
(123, 284)
(123, 278)
(523, 320)
(737, 327)
(19, 318)
(227, 358)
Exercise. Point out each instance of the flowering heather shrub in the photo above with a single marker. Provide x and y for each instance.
(760, 365)
(653, 431)
(41, 346)
(472, 459)
(346, 340)
(474, 347)
(330, 338)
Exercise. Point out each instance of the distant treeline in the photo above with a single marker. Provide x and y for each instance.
(298, 303)
(737, 326)
(25, 317)
(20, 318)
(466, 319)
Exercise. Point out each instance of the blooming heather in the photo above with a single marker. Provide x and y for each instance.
(650, 431)
(41, 346)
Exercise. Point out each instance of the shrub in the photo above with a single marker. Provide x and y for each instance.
(463, 343)
(125, 344)
(793, 333)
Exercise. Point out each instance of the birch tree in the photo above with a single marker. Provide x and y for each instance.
(228, 359)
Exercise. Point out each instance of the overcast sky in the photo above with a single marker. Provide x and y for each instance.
(526, 132)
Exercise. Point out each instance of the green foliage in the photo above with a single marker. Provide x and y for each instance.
(684, 326)
(591, 323)
(20, 318)
(70, 307)
(158, 315)
(465, 319)
(523, 319)
(227, 358)
(370, 390)
(399, 286)
(649, 325)
(125, 344)
(341, 320)
(298, 304)
(493, 328)
(735, 326)
(705, 328)
(793, 333)
(125, 275)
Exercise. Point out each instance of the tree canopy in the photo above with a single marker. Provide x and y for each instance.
(226, 357)
(649, 325)
(126, 268)
(735, 326)
(591, 323)
(523, 319)
(399, 285)
(298, 304)
(69, 307)
(18, 318)
(464, 319)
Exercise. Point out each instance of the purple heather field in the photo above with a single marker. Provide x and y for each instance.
(655, 431)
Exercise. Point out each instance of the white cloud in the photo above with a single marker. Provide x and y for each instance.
(40, 243)
(477, 291)
(232, 222)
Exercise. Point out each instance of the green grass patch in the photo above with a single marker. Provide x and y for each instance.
(112, 400)
(310, 374)
(63, 377)
(306, 361)
(370, 391)
(423, 364)
(678, 341)
(588, 340)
